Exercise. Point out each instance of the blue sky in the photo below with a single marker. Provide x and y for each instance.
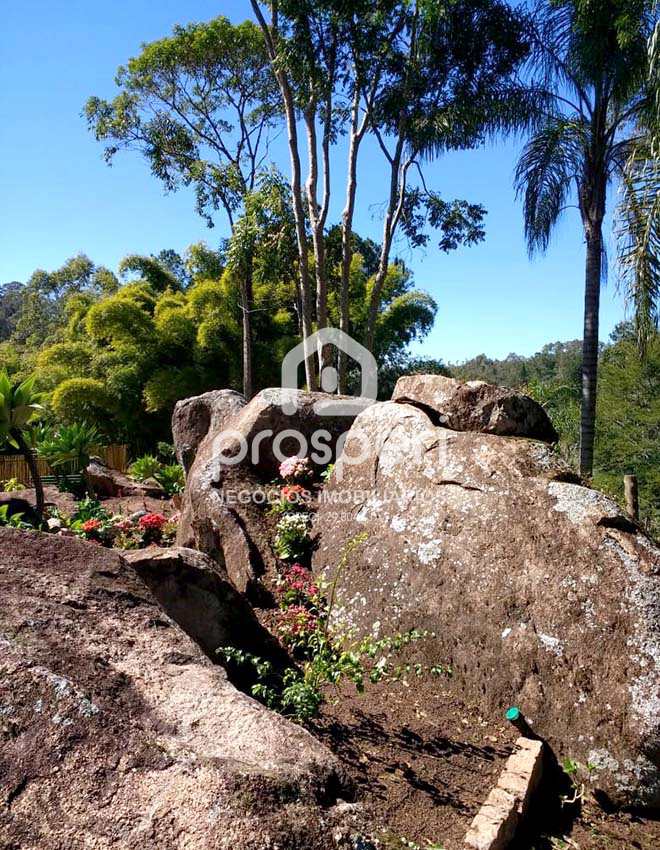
(60, 198)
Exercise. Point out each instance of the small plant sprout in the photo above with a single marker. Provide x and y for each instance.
(573, 769)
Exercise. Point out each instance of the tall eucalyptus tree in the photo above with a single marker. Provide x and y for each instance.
(199, 106)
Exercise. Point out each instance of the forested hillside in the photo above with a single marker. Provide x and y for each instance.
(119, 350)
(628, 423)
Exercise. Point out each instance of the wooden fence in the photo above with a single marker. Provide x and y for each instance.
(14, 466)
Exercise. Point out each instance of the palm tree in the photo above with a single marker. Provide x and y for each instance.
(19, 407)
(591, 86)
(638, 213)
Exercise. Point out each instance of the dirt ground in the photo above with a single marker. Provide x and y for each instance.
(424, 761)
(66, 503)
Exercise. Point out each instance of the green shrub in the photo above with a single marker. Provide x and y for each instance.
(83, 399)
(69, 447)
(147, 466)
(171, 478)
(12, 485)
(166, 452)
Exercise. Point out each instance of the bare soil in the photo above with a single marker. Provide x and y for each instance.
(424, 760)
(66, 503)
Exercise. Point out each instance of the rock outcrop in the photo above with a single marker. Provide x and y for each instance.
(116, 731)
(539, 592)
(194, 417)
(231, 463)
(196, 593)
(475, 406)
(108, 483)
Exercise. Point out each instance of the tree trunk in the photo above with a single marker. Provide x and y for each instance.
(590, 346)
(31, 461)
(317, 221)
(271, 36)
(398, 173)
(246, 310)
(301, 240)
(347, 233)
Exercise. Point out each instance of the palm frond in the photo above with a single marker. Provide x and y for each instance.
(551, 160)
(552, 64)
(638, 238)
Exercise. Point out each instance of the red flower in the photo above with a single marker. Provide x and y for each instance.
(152, 522)
(91, 525)
(294, 493)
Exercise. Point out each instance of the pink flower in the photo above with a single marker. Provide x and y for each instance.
(293, 468)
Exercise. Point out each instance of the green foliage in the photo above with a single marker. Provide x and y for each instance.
(171, 478)
(166, 451)
(83, 399)
(89, 508)
(11, 297)
(327, 472)
(198, 106)
(11, 485)
(19, 407)
(68, 448)
(13, 520)
(147, 466)
(330, 660)
(628, 433)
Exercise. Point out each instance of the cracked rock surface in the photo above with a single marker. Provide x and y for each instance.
(539, 592)
(116, 731)
(221, 515)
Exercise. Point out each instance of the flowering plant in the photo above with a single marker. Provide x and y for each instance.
(152, 522)
(295, 468)
(296, 586)
(294, 493)
(292, 538)
(296, 624)
(119, 532)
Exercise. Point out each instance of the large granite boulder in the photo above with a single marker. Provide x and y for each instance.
(539, 592)
(116, 731)
(475, 406)
(230, 465)
(194, 417)
(196, 593)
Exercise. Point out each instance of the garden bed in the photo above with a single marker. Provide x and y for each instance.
(423, 761)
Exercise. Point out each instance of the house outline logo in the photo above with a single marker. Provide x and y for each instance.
(328, 378)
